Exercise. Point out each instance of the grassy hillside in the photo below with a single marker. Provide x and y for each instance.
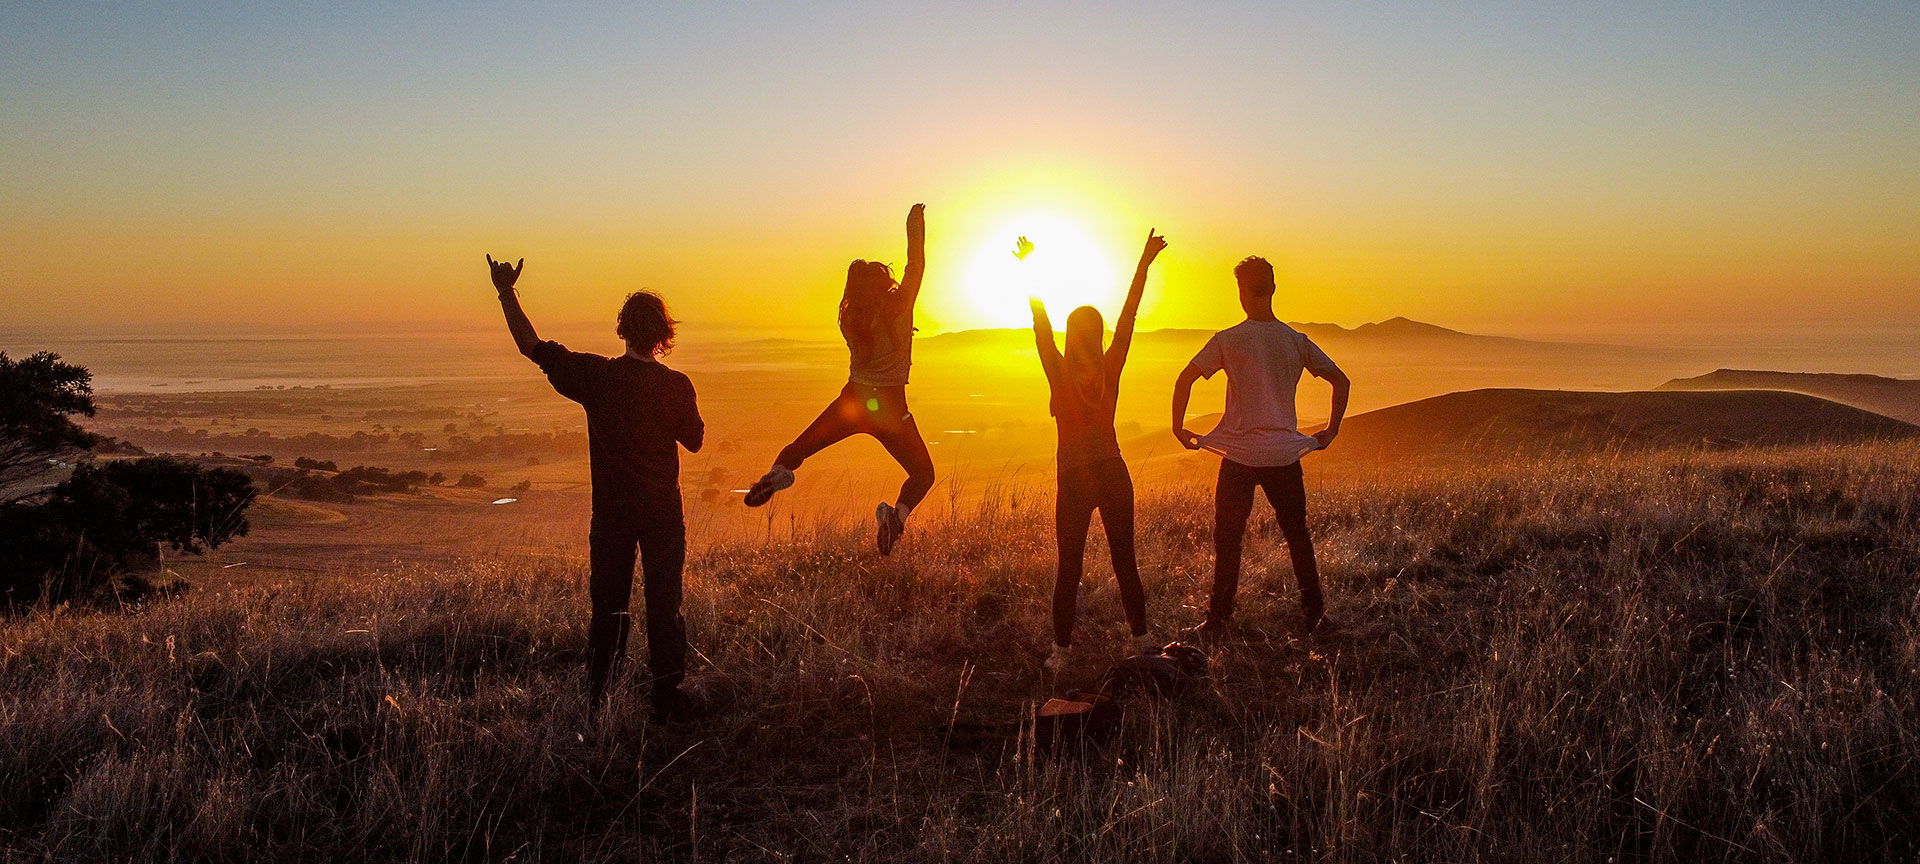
(1895, 397)
(1675, 657)
(1499, 423)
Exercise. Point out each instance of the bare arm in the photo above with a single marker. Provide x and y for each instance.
(916, 253)
(1341, 388)
(1182, 393)
(504, 275)
(1043, 332)
(1123, 329)
(1042, 327)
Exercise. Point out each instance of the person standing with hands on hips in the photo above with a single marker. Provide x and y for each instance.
(1258, 440)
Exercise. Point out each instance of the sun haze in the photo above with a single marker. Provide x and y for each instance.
(1685, 167)
(1066, 268)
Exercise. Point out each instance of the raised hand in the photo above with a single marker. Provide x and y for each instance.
(1039, 308)
(1022, 248)
(1155, 243)
(504, 274)
(917, 219)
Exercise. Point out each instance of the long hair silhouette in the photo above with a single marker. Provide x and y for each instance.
(869, 294)
(1083, 353)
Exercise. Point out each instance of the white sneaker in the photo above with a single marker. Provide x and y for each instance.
(1144, 643)
(777, 478)
(889, 525)
(1059, 658)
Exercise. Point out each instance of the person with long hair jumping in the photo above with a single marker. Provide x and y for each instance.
(1085, 386)
(876, 319)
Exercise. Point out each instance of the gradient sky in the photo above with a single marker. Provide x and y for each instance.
(1507, 168)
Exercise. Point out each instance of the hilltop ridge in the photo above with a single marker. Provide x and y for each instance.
(1894, 397)
(1495, 423)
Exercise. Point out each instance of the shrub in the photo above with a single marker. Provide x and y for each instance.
(366, 479)
(108, 516)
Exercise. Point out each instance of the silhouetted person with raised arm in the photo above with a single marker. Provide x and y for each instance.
(1259, 440)
(639, 413)
(876, 319)
(1085, 389)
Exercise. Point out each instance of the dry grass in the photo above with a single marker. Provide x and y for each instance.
(1696, 657)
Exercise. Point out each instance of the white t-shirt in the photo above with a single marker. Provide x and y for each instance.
(1263, 360)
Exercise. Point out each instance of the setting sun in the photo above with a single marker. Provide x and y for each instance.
(616, 432)
(1067, 268)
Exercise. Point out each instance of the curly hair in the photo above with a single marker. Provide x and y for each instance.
(644, 322)
(1255, 274)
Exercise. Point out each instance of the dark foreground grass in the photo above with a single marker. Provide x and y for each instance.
(1682, 657)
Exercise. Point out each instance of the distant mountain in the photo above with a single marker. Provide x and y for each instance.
(1894, 397)
(1392, 330)
(1492, 424)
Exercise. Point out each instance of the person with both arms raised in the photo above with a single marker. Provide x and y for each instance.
(1085, 390)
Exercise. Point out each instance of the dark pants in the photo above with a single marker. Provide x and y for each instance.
(1105, 486)
(1286, 490)
(661, 543)
(878, 411)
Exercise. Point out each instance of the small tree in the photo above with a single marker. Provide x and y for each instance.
(110, 515)
(38, 398)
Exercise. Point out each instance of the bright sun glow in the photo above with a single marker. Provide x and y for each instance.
(1067, 268)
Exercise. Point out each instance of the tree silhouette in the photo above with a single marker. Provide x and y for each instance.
(38, 398)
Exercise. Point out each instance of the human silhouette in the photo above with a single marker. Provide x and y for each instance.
(876, 319)
(1085, 386)
(1258, 439)
(639, 412)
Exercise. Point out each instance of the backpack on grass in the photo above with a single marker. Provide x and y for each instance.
(1094, 716)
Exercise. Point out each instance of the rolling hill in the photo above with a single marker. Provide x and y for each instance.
(1894, 397)
(1480, 423)
(1500, 423)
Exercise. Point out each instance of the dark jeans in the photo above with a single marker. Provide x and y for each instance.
(1286, 490)
(661, 543)
(878, 411)
(1107, 487)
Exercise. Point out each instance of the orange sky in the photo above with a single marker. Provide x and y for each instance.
(1511, 169)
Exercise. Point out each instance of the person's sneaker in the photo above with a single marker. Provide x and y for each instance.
(1144, 643)
(1059, 658)
(777, 478)
(889, 527)
(672, 706)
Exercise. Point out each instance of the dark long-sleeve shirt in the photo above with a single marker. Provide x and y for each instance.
(638, 414)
